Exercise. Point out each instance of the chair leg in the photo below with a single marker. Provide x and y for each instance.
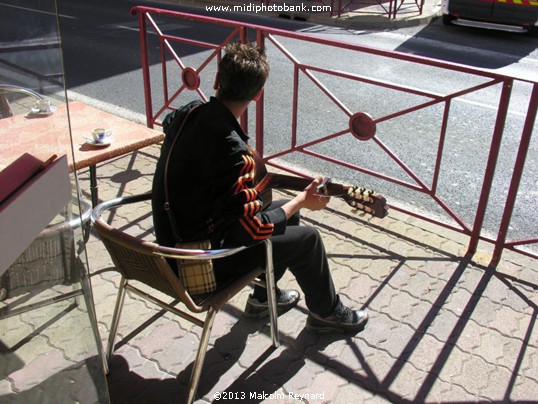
(271, 292)
(88, 298)
(116, 318)
(200, 355)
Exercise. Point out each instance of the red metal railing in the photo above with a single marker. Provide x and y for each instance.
(358, 125)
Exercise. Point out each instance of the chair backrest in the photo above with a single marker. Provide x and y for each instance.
(146, 262)
(134, 258)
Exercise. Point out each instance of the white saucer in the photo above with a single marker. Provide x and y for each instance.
(105, 142)
(37, 111)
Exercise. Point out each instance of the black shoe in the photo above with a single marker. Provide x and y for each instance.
(343, 320)
(285, 299)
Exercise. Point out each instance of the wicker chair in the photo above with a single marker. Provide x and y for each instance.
(146, 262)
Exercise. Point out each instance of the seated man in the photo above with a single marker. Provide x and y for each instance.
(211, 192)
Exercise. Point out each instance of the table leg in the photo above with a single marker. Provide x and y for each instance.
(93, 185)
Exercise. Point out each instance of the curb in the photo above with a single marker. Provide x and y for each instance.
(350, 20)
(369, 22)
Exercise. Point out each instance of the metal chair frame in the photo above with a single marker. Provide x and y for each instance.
(161, 277)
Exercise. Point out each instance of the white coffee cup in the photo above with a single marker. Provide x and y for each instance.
(43, 105)
(100, 134)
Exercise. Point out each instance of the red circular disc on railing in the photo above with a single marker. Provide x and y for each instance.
(190, 78)
(362, 126)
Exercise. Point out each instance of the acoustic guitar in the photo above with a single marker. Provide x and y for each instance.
(359, 198)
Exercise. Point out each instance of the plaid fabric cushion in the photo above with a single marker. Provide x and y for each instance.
(197, 276)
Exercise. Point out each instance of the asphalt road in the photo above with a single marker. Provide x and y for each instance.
(102, 63)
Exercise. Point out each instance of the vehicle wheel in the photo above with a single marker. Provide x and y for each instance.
(533, 32)
(447, 19)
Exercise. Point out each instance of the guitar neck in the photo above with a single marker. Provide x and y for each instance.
(292, 183)
(360, 199)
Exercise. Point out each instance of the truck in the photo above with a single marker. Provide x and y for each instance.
(504, 15)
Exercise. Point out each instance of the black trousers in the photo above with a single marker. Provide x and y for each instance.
(300, 249)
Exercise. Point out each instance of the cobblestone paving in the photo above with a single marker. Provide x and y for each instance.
(443, 327)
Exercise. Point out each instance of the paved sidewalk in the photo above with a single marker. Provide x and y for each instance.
(443, 327)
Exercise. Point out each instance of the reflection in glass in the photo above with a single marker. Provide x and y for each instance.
(50, 349)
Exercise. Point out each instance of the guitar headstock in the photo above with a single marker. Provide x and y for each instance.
(366, 200)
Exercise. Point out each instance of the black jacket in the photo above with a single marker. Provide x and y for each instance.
(210, 182)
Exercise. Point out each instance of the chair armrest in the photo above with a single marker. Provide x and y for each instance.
(74, 223)
(126, 200)
(196, 254)
(165, 252)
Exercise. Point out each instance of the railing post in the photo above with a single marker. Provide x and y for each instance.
(516, 176)
(243, 37)
(145, 67)
(491, 164)
(260, 105)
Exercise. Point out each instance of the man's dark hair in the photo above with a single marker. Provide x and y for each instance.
(243, 71)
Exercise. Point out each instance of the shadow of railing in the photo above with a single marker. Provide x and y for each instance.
(426, 307)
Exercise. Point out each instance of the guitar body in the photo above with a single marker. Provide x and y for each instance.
(359, 198)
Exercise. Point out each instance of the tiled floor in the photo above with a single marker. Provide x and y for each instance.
(443, 327)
